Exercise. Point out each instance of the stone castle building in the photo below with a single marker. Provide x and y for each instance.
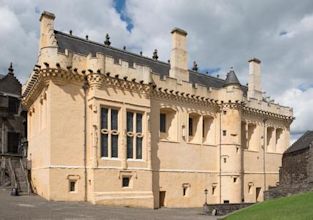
(112, 127)
(12, 116)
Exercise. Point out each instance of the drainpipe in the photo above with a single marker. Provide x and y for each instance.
(264, 149)
(85, 88)
(220, 157)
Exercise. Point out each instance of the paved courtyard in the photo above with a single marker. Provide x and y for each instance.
(34, 207)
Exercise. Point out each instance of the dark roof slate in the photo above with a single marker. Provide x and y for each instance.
(231, 79)
(302, 143)
(85, 47)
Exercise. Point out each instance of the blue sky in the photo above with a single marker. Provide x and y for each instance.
(120, 7)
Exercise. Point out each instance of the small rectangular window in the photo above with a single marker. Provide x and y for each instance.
(13, 105)
(225, 160)
(235, 179)
(190, 126)
(163, 122)
(184, 191)
(224, 132)
(125, 181)
(226, 201)
(213, 190)
(72, 186)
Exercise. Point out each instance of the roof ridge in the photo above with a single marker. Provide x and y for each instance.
(207, 75)
(112, 48)
(128, 53)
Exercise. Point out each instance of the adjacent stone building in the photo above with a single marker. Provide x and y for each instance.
(296, 172)
(12, 117)
(113, 127)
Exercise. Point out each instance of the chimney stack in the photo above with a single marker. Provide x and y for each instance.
(179, 55)
(254, 87)
(47, 30)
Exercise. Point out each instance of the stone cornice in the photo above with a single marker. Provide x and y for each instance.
(267, 114)
(164, 93)
(40, 78)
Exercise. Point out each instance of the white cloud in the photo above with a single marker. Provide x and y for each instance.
(302, 102)
(220, 34)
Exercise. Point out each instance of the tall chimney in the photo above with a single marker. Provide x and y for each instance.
(254, 87)
(179, 55)
(47, 30)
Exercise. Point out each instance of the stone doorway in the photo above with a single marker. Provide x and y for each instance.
(258, 194)
(162, 198)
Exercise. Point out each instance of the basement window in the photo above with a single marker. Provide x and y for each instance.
(213, 190)
(186, 188)
(125, 181)
(72, 185)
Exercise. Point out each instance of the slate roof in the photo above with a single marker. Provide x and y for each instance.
(84, 47)
(302, 143)
(231, 79)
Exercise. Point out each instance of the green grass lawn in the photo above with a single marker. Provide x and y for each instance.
(293, 207)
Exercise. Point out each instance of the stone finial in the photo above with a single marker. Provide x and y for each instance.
(124, 48)
(87, 37)
(155, 54)
(195, 66)
(140, 53)
(11, 70)
(71, 32)
(107, 40)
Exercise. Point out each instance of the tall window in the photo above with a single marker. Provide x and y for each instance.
(190, 123)
(163, 122)
(13, 105)
(109, 132)
(134, 135)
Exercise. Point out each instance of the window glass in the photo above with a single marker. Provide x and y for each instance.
(190, 127)
(114, 115)
(139, 122)
(125, 181)
(104, 118)
(139, 148)
(13, 105)
(129, 147)
(114, 146)
(130, 121)
(163, 122)
(104, 145)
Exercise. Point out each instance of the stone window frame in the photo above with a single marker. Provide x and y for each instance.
(171, 133)
(134, 133)
(73, 179)
(186, 189)
(109, 131)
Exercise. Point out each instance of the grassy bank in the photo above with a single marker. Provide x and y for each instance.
(293, 207)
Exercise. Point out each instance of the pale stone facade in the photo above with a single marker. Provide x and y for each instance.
(112, 127)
